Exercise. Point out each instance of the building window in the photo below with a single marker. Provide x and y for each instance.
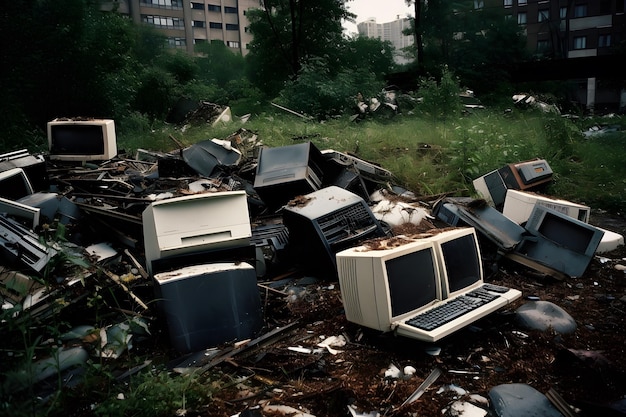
(230, 9)
(580, 10)
(232, 44)
(543, 16)
(522, 2)
(604, 41)
(214, 8)
(232, 26)
(508, 3)
(176, 42)
(479, 4)
(580, 42)
(215, 25)
(521, 18)
(167, 22)
(508, 17)
(543, 46)
(198, 23)
(197, 6)
(166, 4)
(563, 12)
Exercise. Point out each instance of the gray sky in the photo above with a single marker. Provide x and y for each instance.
(383, 10)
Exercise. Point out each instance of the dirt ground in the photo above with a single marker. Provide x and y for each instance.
(586, 367)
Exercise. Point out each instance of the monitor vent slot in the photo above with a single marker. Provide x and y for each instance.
(350, 289)
(348, 223)
(278, 234)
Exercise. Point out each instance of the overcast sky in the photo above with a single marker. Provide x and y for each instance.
(384, 11)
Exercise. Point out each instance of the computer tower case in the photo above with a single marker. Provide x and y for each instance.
(210, 304)
(324, 222)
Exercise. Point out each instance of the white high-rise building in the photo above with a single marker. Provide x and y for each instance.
(390, 31)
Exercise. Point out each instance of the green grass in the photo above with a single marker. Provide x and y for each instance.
(431, 157)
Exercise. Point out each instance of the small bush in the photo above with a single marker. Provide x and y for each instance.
(441, 100)
(319, 94)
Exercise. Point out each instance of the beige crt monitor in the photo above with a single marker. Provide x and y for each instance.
(519, 204)
(82, 140)
(382, 286)
(196, 223)
(390, 285)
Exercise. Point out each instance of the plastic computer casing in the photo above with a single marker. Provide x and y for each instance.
(81, 140)
(190, 224)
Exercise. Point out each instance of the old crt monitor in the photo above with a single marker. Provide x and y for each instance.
(82, 140)
(527, 174)
(519, 204)
(34, 167)
(558, 241)
(190, 224)
(210, 304)
(387, 284)
(285, 172)
(28, 215)
(14, 184)
(491, 188)
(323, 222)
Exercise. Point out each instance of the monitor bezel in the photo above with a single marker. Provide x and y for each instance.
(109, 137)
(4, 175)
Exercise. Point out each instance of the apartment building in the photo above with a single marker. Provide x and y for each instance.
(575, 37)
(390, 31)
(188, 23)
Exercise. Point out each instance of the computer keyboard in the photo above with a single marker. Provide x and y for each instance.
(495, 288)
(452, 309)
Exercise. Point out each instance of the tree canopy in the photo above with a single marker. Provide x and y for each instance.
(288, 33)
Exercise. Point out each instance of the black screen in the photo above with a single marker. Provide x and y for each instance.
(73, 139)
(566, 233)
(461, 261)
(14, 187)
(412, 281)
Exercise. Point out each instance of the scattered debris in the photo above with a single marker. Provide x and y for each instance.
(74, 245)
(525, 101)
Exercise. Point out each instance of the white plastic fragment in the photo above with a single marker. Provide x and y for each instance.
(464, 409)
(286, 410)
(393, 372)
(409, 370)
(331, 342)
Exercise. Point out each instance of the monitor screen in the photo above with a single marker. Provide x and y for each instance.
(562, 231)
(412, 281)
(74, 139)
(14, 184)
(461, 262)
